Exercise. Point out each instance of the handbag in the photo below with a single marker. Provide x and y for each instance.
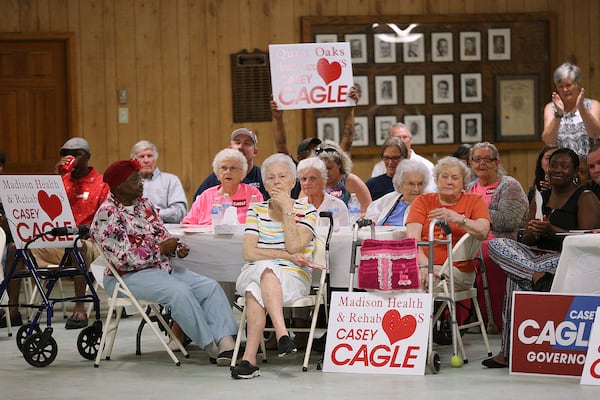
(388, 265)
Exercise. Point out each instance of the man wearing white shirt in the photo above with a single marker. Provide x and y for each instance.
(164, 190)
(400, 131)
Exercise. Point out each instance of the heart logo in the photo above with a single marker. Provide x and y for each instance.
(329, 72)
(50, 204)
(397, 328)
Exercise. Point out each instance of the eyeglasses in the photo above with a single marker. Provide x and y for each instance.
(483, 159)
(394, 158)
(319, 150)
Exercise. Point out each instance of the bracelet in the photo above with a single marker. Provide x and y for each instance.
(464, 221)
(557, 115)
(289, 213)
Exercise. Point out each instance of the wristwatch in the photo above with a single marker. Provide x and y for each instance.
(289, 213)
(557, 115)
(464, 221)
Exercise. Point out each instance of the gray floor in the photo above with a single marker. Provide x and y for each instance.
(153, 376)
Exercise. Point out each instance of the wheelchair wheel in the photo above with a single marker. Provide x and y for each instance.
(22, 335)
(88, 341)
(40, 349)
(434, 362)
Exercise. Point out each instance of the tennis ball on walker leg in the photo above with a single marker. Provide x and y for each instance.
(456, 362)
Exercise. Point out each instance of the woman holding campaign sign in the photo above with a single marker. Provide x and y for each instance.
(565, 206)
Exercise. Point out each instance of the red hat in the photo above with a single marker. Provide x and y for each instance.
(119, 171)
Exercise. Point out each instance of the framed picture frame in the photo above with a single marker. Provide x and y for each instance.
(358, 47)
(442, 88)
(517, 114)
(470, 128)
(499, 44)
(361, 132)
(383, 123)
(442, 49)
(386, 90)
(470, 88)
(361, 83)
(442, 126)
(417, 128)
(326, 38)
(470, 46)
(328, 128)
(414, 51)
(384, 51)
(414, 89)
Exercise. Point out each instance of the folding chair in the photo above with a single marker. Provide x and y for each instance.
(121, 297)
(4, 298)
(465, 249)
(314, 300)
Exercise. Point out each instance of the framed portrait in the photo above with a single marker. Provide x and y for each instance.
(470, 88)
(328, 128)
(441, 47)
(358, 47)
(499, 44)
(384, 50)
(443, 88)
(382, 127)
(442, 126)
(361, 131)
(386, 89)
(517, 113)
(470, 128)
(414, 89)
(414, 51)
(326, 38)
(361, 83)
(416, 125)
(470, 46)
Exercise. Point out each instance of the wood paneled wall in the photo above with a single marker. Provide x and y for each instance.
(173, 58)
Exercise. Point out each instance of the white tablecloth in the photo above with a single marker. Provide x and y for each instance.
(221, 257)
(579, 265)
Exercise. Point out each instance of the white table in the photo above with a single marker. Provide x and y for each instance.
(579, 265)
(221, 257)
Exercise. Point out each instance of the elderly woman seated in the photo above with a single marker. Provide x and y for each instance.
(410, 179)
(312, 175)
(230, 166)
(392, 153)
(278, 246)
(464, 213)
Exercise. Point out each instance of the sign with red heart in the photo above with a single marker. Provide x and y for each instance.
(311, 75)
(50, 204)
(396, 327)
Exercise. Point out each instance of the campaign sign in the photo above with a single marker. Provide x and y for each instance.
(35, 204)
(311, 75)
(591, 369)
(378, 333)
(550, 332)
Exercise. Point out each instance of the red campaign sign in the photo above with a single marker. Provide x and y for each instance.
(550, 333)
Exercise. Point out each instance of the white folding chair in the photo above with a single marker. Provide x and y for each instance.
(121, 297)
(4, 299)
(314, 300)
(465, 249)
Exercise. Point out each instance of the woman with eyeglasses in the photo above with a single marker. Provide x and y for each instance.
(392, 152)
(508, 207)
(340, 181)
(231, 167)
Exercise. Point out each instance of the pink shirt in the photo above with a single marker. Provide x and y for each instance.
(486, 192)
(200, 213)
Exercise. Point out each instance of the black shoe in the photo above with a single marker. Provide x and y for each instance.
(245, 371)
(491, 363)
(73, 323)
(224, 358)
(286, 346)
(15, 320)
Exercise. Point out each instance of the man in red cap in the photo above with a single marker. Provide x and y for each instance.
(136, 242)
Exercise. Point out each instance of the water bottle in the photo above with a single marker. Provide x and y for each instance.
(226, 203)
(217, 212)
(354, 208)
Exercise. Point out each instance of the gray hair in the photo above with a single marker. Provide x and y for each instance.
(278, 158)
(400, 125)
(394, 141)
(338, 156)
(143, 145)
(410, 167)
(450, 161)
(313, 163)
(483, 145)
(230, 154)
(567, 70)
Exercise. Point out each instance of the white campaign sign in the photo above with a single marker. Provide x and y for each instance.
(378, 333)
(311, 75)
(35, 204)
(591, 369)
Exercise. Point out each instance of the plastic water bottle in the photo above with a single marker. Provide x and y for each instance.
(354, 208)
(226, 202)
(217, 212)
